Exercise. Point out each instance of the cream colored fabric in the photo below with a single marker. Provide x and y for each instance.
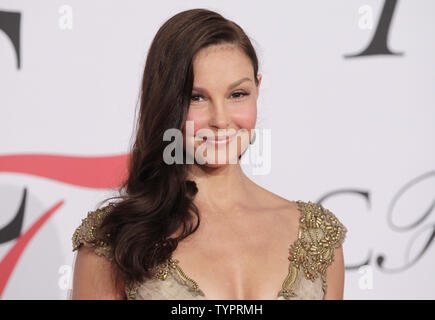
(320, 233)
(171, 289)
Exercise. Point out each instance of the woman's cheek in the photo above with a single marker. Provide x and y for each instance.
(246, 117)
(197, 119)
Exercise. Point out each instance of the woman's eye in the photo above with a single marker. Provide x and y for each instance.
(240, 94)
(195, 96)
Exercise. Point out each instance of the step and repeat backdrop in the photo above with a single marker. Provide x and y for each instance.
(347, 96)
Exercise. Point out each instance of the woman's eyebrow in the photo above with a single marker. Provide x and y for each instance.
(235, 84)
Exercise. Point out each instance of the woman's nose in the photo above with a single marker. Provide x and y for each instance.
(220, 116)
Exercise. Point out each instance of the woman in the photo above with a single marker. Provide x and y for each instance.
(203, 230)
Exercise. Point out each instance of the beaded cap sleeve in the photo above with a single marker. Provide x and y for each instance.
(320, 233)
(85, 233)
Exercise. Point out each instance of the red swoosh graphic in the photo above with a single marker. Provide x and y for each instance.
(9, 261)
(93, 172)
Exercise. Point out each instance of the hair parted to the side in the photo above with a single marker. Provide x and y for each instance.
(156, 199)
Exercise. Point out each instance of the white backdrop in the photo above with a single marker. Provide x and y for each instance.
(354, 133)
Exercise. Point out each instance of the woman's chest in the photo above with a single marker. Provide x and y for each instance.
(257, 272)
(237, 264)
(171, 283)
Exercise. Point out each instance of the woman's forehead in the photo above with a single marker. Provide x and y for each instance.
(220, 67)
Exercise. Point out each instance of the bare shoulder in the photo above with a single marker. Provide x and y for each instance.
(94, 277)
(94, 274)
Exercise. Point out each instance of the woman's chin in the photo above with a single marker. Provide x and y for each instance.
(215, 165)
(216, 159)
(221, 162)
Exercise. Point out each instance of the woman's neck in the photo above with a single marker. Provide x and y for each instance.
(223, 187)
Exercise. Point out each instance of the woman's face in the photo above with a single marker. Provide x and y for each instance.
(223, 104)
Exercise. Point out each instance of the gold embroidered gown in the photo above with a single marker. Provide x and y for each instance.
(320, 233)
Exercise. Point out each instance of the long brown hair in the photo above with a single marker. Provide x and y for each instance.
(156, 199)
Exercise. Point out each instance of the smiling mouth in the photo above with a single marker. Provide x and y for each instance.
(218, 140)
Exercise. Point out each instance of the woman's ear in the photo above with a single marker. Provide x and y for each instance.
(259, 77)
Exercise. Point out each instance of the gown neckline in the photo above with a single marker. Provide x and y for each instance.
(196, 287)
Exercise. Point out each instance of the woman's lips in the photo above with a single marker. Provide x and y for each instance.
(219, 141)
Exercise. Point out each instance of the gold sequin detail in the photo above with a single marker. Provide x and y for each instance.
(320, 233)
(131, 290)
(171, 267)
(287, 290)
(86, 233)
